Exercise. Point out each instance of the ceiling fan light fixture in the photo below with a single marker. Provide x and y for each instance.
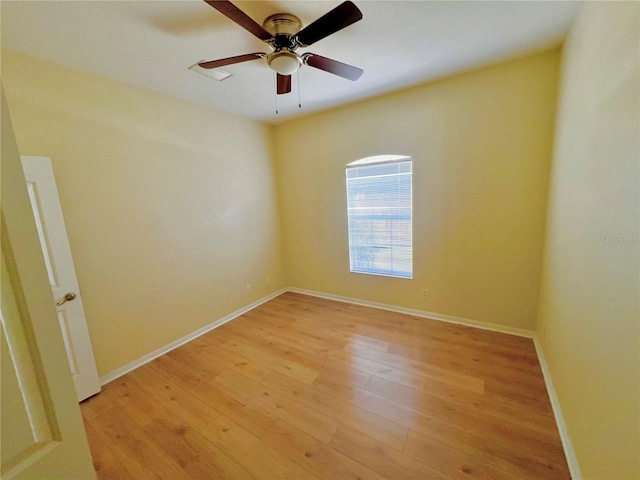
(284, 62)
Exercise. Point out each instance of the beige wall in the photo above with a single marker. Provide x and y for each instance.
(589, 307)
(170, 207)
(481, 144)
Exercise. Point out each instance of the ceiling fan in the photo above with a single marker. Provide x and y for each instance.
(283, 32)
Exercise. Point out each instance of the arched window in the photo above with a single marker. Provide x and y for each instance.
(379, 210)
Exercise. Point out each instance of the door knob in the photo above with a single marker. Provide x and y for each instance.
(67, 298)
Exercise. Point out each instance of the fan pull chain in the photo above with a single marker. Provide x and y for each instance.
(298, 77)
(275, 81)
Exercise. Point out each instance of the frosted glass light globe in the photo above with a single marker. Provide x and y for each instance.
(285, 63)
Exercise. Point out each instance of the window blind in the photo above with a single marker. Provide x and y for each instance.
(379, 210)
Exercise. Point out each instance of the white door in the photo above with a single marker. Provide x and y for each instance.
(47, 212)
(40, 425)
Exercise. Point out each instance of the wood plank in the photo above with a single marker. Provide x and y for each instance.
(273, 360)
(455, 463)
(421, 369)
(301, 352)
(252, 453)
(468, 403)
(315, 456)
(106, 463)
(227, 436)
(328, 335)
(251, 417)
(227, 359)
(391, 410)
(448, 420)
(345, 376)
(197, 456)
(385, 461)
(174, 370)
(312, 348)
(386, 431)
(173, 395)
(140, 456)
(310, 421)
(180, 441)
(126, 394)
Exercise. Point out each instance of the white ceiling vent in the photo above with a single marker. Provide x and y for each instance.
(215, 73)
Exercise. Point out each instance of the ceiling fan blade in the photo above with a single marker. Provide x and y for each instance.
(231, 60)
(332, 66)
(340, 17)
(284, 84)
(234, 13)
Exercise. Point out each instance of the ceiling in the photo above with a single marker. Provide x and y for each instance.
(151, 44)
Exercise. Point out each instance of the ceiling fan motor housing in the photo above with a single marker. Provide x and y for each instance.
(282, 24)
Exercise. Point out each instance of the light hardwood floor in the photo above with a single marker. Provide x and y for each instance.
(303, 387)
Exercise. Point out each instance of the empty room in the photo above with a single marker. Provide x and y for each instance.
(313, 239)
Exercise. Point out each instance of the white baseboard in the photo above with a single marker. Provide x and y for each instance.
(520, 332)
(569, 452)
(109, 377)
